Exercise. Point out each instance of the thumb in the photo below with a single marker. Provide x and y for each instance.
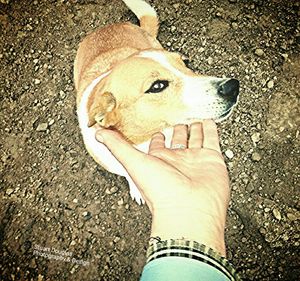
(127, 155)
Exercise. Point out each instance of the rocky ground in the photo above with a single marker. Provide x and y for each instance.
(56, 202)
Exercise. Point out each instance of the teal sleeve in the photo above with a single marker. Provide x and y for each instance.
(180, 268)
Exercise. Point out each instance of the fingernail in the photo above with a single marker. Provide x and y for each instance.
(99, 137)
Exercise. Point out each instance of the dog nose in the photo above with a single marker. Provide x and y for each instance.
(229, 89)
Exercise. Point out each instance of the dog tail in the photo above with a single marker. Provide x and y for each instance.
(146, 15)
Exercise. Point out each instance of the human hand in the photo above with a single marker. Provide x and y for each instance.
(187, 190)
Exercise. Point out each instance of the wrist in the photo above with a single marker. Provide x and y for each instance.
(191, 225)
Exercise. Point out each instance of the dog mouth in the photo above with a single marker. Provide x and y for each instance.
(224, 115)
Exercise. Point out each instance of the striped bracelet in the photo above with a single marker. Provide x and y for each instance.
(190, 249)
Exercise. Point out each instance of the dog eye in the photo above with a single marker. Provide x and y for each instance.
(158, 86)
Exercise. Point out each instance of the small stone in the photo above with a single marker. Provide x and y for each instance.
(262, 230)
(117, 239)
(35, 61)
(176, 6)
(277, 214)
(255, 137)
(259, 52)
(291, 217)
(120, 202)
(62, 95)
(235, 25)
(173, 28)
(210, 61)
(42, 127)
(86, 215)
(51, 122)
(270, 84)
(244, 240)
(256, 156)
(37, 81)
(73, 242)
(229, 154)
(285, 237)
(75, 200)
(9, 191)
(113, 190)
(285, 56)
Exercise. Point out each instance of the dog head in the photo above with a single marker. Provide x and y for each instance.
(153, 90)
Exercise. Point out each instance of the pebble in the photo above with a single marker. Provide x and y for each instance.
(291, 217)
(210, 60)
(75, 201)
(229, 154)
(113, 190)
(235, 25)
(117, 239)
(270, 84)
(259, 52)
(262, 230)
(277, 214)
(51, 122)
(256, 156)
(255, 137)
(73, 242)
(86, 215)
(37, 81)
(285, 237)
(42, 127)
(62, 95)
(176, 6)
(9, 191)
(120, 202)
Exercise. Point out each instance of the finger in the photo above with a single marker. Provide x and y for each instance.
(196, 135)
(210, 135)
(180, 135)
(157, 142)
(120, 148)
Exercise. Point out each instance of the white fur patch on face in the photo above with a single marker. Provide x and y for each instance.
(162, 60)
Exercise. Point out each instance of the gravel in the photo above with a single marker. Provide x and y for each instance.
(53, 195)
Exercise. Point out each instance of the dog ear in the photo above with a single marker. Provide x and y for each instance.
(101, 109)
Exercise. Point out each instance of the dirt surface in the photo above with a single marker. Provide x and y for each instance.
(57, 202)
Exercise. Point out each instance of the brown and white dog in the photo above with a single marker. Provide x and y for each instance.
(126, 81)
